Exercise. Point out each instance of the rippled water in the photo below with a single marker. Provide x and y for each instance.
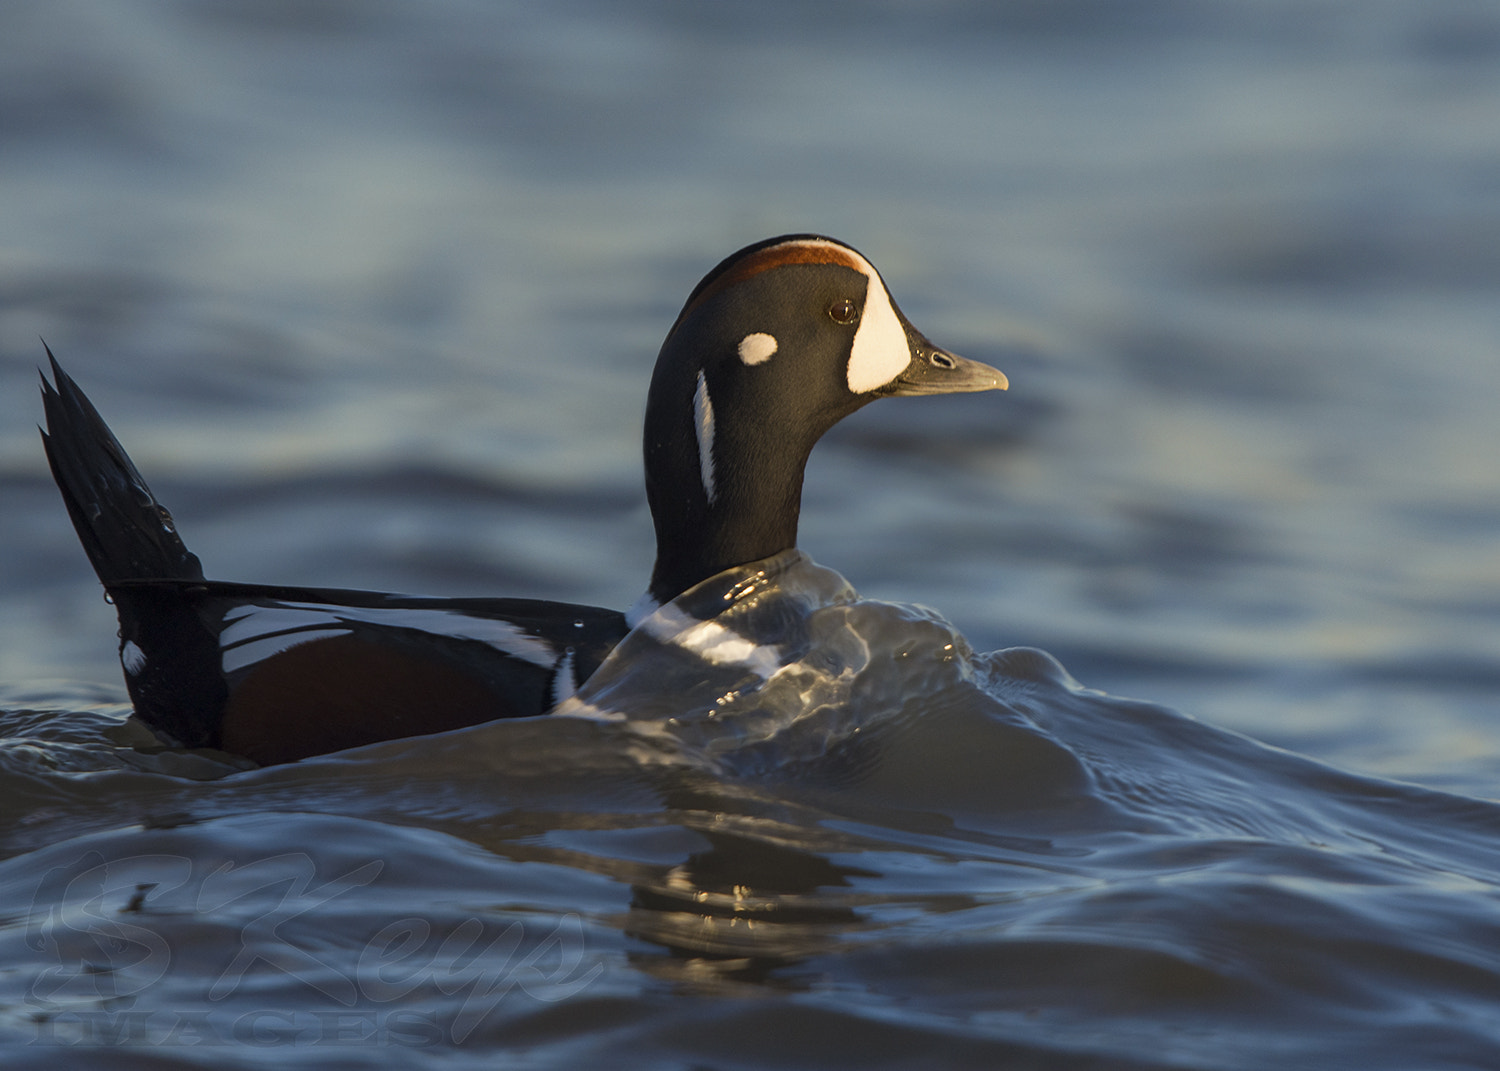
(884, 850)
(371, 292)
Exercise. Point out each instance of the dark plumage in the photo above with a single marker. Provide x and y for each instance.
(777, 344)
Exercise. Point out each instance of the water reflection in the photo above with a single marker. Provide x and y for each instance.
(743, 909)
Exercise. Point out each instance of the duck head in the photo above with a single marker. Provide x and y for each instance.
(777, 344)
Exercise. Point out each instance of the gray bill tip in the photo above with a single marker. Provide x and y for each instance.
(935, 371)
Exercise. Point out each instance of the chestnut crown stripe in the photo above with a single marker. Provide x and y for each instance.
(791, 251)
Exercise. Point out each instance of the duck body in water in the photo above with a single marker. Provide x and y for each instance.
(774, 346)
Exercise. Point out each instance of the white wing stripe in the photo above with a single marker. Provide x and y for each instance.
(249, 652)
(254, 622)
(283, 625)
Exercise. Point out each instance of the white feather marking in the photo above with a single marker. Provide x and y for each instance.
(132, 658)
(255, 622)
(703, 424)
(712, 642)
(757, 348)
(501, 635)
(574, 707)
(881, 351)
(643, 608)
(564, 679)
(248, 652)
(272, 629)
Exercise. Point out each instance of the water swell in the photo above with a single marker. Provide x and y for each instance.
(779, 785)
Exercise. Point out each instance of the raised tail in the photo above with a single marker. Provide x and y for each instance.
(170, 657)
(127, 534)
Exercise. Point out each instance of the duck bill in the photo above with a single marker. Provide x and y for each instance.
(933, 370)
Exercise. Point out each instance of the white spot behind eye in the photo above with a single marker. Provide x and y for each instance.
(757, 347)
(881, 351)
(703, 424)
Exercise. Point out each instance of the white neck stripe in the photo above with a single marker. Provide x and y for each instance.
(703, 424)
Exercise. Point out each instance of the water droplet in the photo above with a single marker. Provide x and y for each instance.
(109, 598)
(577, 624)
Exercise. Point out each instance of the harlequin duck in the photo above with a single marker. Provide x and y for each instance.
(774, 346)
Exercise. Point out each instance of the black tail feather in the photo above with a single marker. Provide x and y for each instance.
(173, 622)
(170, 657)
(126, 533)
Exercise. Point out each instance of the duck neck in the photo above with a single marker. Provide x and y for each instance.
(733, 501)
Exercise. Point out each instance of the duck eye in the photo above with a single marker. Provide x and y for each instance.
(941, 360)
(843, 311)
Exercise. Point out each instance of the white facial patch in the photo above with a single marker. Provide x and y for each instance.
(757, 348)
(881, 352)
(703, 424)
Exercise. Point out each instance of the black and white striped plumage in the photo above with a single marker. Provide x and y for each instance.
(773, 347)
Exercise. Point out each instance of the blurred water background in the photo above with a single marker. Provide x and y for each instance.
(371, 291)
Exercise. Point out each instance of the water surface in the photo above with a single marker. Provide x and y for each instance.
(371, 292)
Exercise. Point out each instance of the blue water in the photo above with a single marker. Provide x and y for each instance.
(371, 293)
